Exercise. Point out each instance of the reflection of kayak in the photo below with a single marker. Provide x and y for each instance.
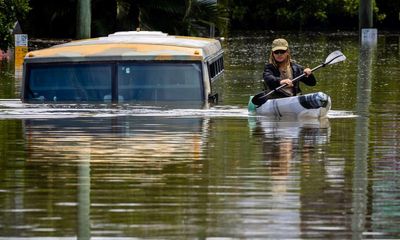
(316, 129)
(313, 105)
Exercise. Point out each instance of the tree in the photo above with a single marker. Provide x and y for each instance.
(186, 17)
(55, 19)
(10, 12)
(84, 19)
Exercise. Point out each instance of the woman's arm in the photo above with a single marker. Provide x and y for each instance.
(309, 79)
(271, 76)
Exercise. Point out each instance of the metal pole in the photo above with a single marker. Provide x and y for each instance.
(365, 16)
(361, 192)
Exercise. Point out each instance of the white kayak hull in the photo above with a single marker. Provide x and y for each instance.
(313, 105)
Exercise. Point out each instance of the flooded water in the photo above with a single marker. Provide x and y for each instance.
(128, 172)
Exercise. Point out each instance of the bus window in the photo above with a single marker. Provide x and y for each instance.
(70, 82)
(160, 81)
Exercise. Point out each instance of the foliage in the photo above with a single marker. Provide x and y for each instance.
(187, 17)
(202, 15)
(304, 14)
(391, 9)
(53, 19)
(10, 12)
(57, 19)
(351, 6)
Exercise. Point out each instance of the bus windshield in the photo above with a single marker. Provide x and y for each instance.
(68, 82)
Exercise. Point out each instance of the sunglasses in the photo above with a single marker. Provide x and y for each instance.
(279, 52)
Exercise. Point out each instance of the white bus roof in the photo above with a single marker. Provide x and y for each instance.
(132, 45)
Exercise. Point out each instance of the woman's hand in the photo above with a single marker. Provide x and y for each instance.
(287, 81)
(307, 72)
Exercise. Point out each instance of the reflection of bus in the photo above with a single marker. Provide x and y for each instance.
(100, 163)
(124, 67)
(137, 141)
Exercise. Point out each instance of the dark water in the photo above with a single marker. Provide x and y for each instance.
(106, 173)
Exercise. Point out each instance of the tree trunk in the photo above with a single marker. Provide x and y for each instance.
(84, 19)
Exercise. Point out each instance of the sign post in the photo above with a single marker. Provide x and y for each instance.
(21, 49)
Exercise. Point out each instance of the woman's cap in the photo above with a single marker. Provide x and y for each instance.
(280, 44)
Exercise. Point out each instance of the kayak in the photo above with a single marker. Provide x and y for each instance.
(313, 105)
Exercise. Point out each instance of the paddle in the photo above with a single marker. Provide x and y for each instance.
(334, 57)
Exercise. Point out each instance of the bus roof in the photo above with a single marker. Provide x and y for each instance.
(132, 45)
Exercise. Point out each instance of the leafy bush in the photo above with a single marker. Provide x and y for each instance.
(10, 12)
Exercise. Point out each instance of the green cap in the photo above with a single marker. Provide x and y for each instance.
(280, 44)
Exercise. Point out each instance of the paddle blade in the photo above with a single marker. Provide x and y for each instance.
(335, 57)
(259, 99)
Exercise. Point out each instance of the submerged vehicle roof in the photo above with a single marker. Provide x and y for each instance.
(132, 45)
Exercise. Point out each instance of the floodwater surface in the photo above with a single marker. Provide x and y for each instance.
(129, 172)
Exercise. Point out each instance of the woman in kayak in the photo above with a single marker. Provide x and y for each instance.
(281, 69)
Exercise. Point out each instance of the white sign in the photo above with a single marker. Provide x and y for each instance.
(21, 40)
(369, 35)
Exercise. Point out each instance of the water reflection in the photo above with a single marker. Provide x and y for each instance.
(360, 174)
(287, 142)
(101, 169)
(152, 137)
(83, 201)
(289, 150)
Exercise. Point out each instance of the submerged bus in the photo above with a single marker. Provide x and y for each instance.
(130, 66)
